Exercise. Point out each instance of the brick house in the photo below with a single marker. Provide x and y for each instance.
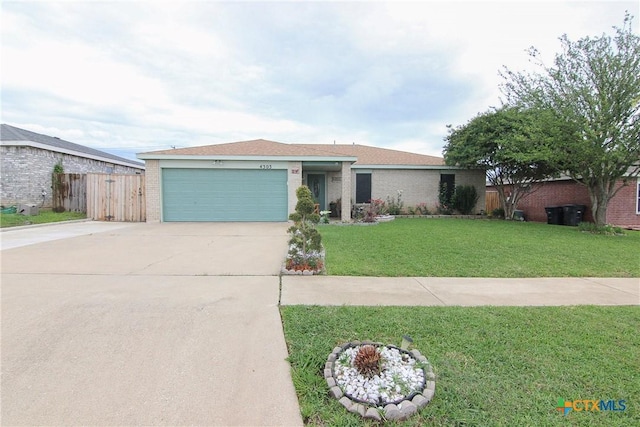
(257, 180)
(28, 158)
(623, 210)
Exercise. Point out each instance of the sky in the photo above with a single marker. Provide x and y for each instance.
(128, 77)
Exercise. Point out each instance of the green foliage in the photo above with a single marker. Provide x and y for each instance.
(464, 199)
(305, 242)
(593, 90)
(421, 209)
(513, 144)
(444, 199)
(58, 168)
(394, 205)
(607, 230)
(494, 366)
(44, 216)
(498, 213)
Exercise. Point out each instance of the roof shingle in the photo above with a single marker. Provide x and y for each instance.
(366, 155)
(12, 133)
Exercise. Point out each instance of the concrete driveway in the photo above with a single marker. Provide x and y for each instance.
(148, 324)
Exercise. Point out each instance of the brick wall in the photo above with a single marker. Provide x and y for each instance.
(152, 186)
(25, 172)
(421, 186)
(621, 210)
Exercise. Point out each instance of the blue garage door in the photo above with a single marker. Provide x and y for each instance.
(224, 195)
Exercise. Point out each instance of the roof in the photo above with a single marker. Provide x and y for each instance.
(11, 135)
(361, 154)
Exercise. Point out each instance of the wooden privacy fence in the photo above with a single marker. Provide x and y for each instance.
(69, 192)
(116, 197)
(492, 201)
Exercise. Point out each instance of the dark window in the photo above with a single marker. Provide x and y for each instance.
(449, 180)
(363, 188)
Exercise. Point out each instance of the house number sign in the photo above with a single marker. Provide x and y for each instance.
(266, 166)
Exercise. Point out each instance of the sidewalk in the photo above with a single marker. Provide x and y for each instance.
(447, 291)
(15, 237)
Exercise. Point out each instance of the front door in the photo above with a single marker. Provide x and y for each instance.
(316, 183)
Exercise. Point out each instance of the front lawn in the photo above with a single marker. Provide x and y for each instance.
(45, 216)
(477, 248)
(495, 366)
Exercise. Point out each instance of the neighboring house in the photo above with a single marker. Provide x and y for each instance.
(257, 180)
(623, 210)
(28, 159)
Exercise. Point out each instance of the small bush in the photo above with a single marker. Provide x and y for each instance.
(497, 213)
(375, 208)
(464, 199)
(394, 206)
(422, 209)
(607, 230)
(444, 200)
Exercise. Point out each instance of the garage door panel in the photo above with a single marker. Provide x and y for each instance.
(224, 195)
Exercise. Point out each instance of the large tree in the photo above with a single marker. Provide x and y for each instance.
(593, 86)
(511, 144)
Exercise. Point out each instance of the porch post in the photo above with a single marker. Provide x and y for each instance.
(346, 192)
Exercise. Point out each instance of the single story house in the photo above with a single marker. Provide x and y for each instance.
(28, 158)
(257, 180)
(623, 209)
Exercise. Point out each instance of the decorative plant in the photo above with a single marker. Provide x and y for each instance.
(444, 199)
(421, 209)
(394, 206)
(367, 361)
(305, 244)
(375, 208)
(324, 217)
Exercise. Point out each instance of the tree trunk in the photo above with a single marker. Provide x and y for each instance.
(599, 202)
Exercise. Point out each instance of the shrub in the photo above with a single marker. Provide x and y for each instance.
(608, 229)
(465, 198)
(305, 244)
(394, 206)
(444, 199)
(497, 213)
(422, 209)
(375, 208)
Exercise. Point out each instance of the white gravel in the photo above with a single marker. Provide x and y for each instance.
(399, 376)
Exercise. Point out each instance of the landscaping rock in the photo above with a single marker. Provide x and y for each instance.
(336, 392)
(373, 414)
(407, 409)
(392, 413)
(346, 402)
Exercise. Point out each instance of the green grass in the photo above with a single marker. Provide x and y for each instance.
(495, 366)
(45, 216)
(477, 248)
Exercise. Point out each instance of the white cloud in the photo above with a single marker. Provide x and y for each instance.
(189, 73)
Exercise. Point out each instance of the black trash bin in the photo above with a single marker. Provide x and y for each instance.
(573, 214)
(554, 215)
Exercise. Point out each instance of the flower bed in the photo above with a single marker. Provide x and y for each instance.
(403, 383)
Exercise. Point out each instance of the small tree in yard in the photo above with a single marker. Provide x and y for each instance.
(593, 87)
(305, 244)
(511, 144)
